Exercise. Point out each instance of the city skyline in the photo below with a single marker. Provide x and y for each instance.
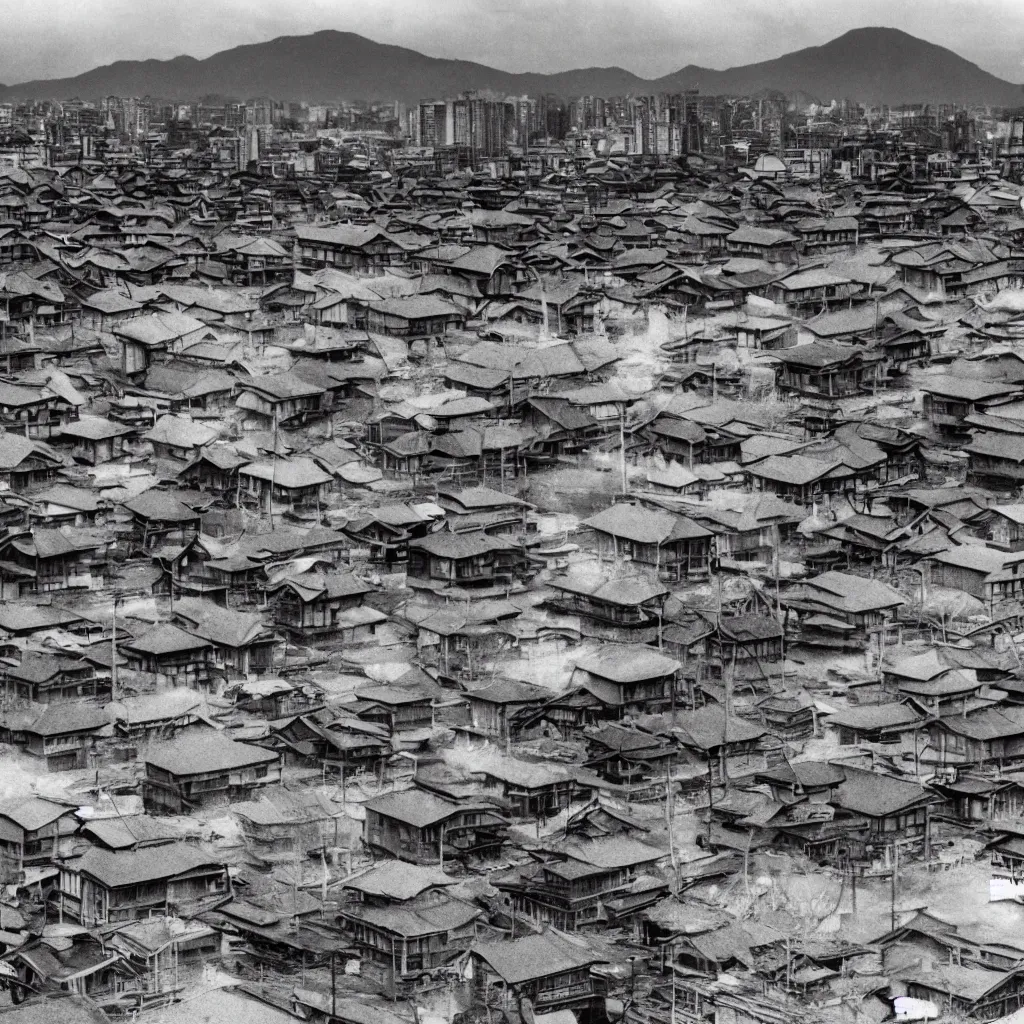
(650, 38)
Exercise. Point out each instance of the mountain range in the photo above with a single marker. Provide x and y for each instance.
(870, 65)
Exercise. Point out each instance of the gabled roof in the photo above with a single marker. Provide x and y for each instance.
(418, 307)
(970, 389)
(645, 526)
(397, 880)
(709, 727)
(291, 473)
(875, 716)
(855, 593)
(282, 386)
(818, 354)
(348, 236)
(876, 795)
(536, 956)
(33, 812)
(627, 663)
(628, 591)
(476, 498)
(63, 719)
(795, 470)
(165, 639)
(160, 506)
(417, 807)
(311, 586)
(460, 545)
(146, 864)
(180, 431)
(747, 234)
(157, 329)
(203, 752)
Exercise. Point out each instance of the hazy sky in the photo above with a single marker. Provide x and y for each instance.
(57, 38)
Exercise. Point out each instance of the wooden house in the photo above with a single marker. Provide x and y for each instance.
(421, 827)
(37, 412)
(160, 519)
(949, 400)
(483, 508)
(34, 832)
(823, 234)
(178, 438)
(45, 678)
(172, 655)
(386, 530)
(825, 369)
(676, 547)
(727, 745)
(999, 526)
(886, 813)
(27, 465)
(492, 708)
(395, 709)
(632, 763)
(751, 646)
(156, 949)
(103, 887)
(296, 484)
(974, 992)
(214, 469)
(990, 737)
(626, 678)
(840, 605)
(282, 400)
(68, 558)
(464, 559)
(625, 601)
(813, 289)
(875, 723)
(204, 767)
(528, 791)
(73, 981)
(995, 461)
(414, 316)
(553, 973)
(405, 924)
(315, 605)
(574, 880)
(95, 440)
(363, 249)
(146, 339)
(63, 736)
(772, 244)
(562, 428)
(242, 643)
(985, 573)
(974, 799)
(65, 505)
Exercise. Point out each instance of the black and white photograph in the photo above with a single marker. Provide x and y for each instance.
(512, 512)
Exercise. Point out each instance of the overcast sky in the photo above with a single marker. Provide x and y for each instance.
(57, 38)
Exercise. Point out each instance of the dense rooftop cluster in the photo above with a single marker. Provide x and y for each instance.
(583, 601)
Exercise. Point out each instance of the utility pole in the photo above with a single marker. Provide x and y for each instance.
(711, 798)
(892, 888)
(622, 445)
(273, 472)
(334, 987)
(113, 649)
